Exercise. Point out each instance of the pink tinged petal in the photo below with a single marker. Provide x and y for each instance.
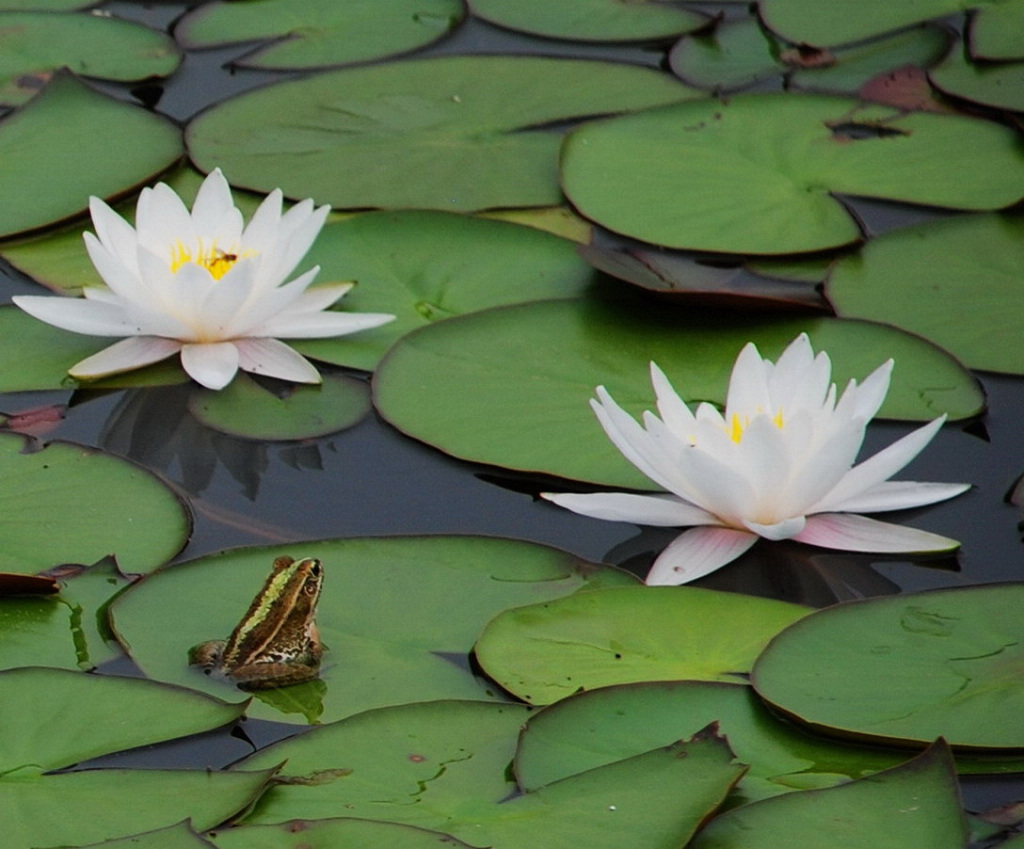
(901, 495)
(89, 317)
(877, 468)
(116, 234)
(849, 532)
(320, 325)
(275, 359)
(786, 529)
(659, 510)
(212, 364)
(126, 355)
(697, 553)
(674, 412)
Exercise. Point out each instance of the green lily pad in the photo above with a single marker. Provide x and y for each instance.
(55, 717)
(316, 33)
(443, 765)
(45, 5)
(68, 630)
(547, 651)
(956, 653)
(69, 503)
(178, 836)
(65, 132)
(590, 20)
(350, 833)
(511, 386)
(250, 410)
(994, 31)
(741, 52)
(35, 44)
(455, 133)
(999, 84)
(601, 726)
(956, 282)
(843, 21)
(759, 173)
(398, 269)
(378, 616)
(916, 804)
(70, 808)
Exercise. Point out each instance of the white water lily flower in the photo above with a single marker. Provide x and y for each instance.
(205, 285)
(779, 465)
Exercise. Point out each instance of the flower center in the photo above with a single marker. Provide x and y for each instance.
(739, 424)
(215, 260)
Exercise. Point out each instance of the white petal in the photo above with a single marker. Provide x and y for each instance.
(320, 297)
(79, 315)
(748, 384)
(697, 553)
(868, 397)
(116, 234)
(850, 532)
(275, 359)
(161, 219)
(262, 230)
(900, 495)
(320, 325)
(214, 213)
(212, 365)
(659, 510)
(121, 276)
(877, 468)
(677, 416)
(786, 529)
(631, 439)
(126, 355)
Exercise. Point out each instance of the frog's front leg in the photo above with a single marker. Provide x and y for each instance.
(207, 655)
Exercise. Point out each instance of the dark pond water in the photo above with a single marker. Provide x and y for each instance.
(371, 480)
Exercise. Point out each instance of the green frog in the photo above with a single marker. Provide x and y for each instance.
(277, 642)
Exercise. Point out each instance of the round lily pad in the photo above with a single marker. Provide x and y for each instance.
(994, 31)
(511, 386)
(915, 804)
(957, 282)
(905, 668)
(69, 503)
(454, 133)
(316, 33)
(843, 21)
(250, 410)
(548, 651)
(378, 616)
(999, 84)
(758, 174)
(67, 630)
(65, 132)
(444, 765)
(34, 44)
(590, 20)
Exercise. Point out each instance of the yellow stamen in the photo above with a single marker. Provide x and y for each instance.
(740, 423)
(215, 260)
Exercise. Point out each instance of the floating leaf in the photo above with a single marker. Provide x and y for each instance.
(842, 21)
(252, 411)
(378, 615)
(319, 32)
(611, 723)
(66, 631)
(916, 804)
(758, 174)
(511, 386)
(454, 133)
(45, 5)
(545, 652)
(590, 20)
(350, 833)
(179, 836)
(35, 44)
(741, 52)
(69, 503)
(955, 281)
(85, 143)
(956, 653)
(992, 84)
(442, 765)
(994, 31)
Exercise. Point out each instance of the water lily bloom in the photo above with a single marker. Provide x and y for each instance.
(778, 464)
(204, 285)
